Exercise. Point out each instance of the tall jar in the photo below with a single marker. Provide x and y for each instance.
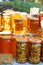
(6, 22)
(6, 55)
(35, 50)
(21, 49)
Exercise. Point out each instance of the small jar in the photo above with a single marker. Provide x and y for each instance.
(34, 50)
(21, 49)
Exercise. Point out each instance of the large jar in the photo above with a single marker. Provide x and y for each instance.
(6, 55)
(8, 44)
(21, 49)
(35, 50)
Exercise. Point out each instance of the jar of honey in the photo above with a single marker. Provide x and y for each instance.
(21, 49)
(6, 55)
(6, 22)
(18, 26)
(6, 42)
(35, 50)
(33, 25)
(16, 18)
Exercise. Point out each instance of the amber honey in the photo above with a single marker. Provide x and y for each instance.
(33, 25)
(16, 18)
(18, 26)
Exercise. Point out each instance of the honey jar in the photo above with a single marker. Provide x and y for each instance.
(16, 18)
(18, 26)
(33, 25)
(6, 22)
(6, 56)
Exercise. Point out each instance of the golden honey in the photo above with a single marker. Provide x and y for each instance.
(17, 23)
(6, 22)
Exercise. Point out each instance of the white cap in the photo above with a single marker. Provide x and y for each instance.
(5, 32)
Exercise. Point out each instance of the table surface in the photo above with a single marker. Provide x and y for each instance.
(15, 63)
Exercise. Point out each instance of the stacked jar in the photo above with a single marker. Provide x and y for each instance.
(21, 49)
(34, 50)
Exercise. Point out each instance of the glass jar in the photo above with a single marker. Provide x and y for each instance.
(16, 19)
(35, 50)
(33, 25)
(21, 49)
(6, 42)
(18, 26)
(7, 22)
(7, 55)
